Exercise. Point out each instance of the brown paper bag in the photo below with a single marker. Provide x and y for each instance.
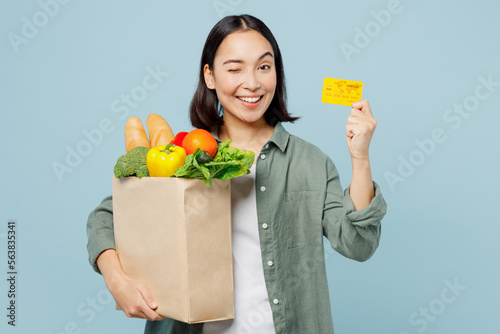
(174, 235)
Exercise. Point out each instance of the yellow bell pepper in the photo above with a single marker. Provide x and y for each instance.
(164, 160)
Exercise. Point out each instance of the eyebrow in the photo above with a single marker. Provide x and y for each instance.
(241, 61)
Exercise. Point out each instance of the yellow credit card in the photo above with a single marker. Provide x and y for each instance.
(344, 92)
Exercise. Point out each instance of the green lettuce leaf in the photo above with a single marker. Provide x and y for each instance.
(229, 162)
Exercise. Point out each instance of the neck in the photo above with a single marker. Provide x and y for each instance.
(244, 135)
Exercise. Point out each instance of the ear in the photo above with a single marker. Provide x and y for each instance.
(209, 77)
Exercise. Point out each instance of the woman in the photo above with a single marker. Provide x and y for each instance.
(281, 210)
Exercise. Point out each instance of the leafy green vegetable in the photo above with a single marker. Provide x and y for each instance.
(229, 162)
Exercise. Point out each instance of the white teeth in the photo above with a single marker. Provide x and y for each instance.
(250, 99)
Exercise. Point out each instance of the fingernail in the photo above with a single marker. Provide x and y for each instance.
(153, 304)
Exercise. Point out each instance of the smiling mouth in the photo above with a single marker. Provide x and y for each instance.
(250, 99)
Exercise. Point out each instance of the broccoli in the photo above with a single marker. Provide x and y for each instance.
(133, 163)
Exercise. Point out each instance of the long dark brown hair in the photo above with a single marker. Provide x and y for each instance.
(205, 111)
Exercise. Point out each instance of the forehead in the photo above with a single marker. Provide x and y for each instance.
(245, 45)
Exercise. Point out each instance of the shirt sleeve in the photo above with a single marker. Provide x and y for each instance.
(100, 231)
(354, 234)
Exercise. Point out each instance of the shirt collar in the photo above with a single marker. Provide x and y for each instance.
(280, 137)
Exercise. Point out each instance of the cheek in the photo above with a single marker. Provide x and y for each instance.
(226, 85)
(270, 83)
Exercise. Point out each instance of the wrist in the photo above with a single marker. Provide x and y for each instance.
(360, 162)
(110, 268)
(114, 279)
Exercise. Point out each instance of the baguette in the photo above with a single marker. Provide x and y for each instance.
(160, 132)
(135, 134)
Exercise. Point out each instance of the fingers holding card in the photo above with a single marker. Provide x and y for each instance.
(363, 106)
(360, 123)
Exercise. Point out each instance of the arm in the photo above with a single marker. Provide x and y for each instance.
(131, 295)
(362, 191)
(354, 231)
(359, 131)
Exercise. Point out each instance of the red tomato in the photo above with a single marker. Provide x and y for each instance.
(179, 137)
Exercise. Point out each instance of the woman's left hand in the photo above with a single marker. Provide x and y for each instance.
(359, 130)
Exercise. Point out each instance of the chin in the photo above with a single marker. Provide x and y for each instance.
(251, 118)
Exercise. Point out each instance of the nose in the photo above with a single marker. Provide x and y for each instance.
(251, 81)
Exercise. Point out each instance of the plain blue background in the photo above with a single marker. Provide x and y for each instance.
(441, 228)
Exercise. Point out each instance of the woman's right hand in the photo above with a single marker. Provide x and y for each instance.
(131, 295)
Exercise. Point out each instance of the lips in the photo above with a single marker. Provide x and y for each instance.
(247, 99)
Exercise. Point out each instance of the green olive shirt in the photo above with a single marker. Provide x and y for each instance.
(299, 200)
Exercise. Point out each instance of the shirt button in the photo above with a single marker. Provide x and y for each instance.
(262, 156)
(267, 146)
(262, 188)
(264, 226)
(275, 301)
(270, 263)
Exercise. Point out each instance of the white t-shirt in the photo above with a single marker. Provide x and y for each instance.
(252, 312)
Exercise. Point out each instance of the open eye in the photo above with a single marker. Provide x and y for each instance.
(264, 67)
